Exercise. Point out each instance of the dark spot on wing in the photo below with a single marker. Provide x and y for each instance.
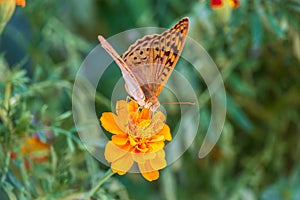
(169, 62)
(174, 48)
(167, 68)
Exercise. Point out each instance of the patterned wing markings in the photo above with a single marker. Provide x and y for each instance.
(160, 52)
(148, 63)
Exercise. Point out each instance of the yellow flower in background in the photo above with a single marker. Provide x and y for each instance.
(138, 136)
(7, 8)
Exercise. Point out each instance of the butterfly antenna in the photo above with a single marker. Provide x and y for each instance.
(183, 102)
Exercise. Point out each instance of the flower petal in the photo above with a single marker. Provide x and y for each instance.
(157, 123)
(149, 156)
(132, 106)
(157, 138)
(138, 157)
(158, 162)
(147, 172)
(233, 3)
(34, 144)
(145, 114)
(120, 139)
(216, 3)
(122, 165)
(166, 132)
(108, 122)
(155, 146)
(21, 3)
(151, 176)
(114, 152)
(122, 109)
(117, 171)
(161, 154)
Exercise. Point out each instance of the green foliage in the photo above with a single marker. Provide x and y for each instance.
(256, 48)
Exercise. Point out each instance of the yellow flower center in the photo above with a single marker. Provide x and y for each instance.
(140, 144)
(145, 123)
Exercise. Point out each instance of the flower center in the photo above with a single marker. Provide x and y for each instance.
(140, 144)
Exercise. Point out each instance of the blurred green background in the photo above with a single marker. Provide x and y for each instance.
(256, 48)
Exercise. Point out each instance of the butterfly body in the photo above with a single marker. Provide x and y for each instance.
(148, 63)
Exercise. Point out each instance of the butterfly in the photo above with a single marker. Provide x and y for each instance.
(148, 63)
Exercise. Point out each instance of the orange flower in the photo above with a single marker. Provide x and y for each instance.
(33, 149)
(138, 137)
(18, 2)
(219, 3)
(21, 3)
(36, 149)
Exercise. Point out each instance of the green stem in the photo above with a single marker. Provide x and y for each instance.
(6, 103)
(5, 119)
(4, 112)
(7, 96)
(106, 176)
(6, 167)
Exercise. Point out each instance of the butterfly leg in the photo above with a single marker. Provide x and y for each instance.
(129, 98)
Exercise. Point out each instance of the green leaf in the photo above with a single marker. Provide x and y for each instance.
(63, 116)
(274, 25)
(3, 194)
(70, 144)
(24, 122)
(256, 30)
(238, 115)
(8, 189)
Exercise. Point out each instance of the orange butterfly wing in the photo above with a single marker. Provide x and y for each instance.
(133, 87)
(148, 63)
(157, 55)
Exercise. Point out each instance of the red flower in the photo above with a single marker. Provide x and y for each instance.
(220, 3)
